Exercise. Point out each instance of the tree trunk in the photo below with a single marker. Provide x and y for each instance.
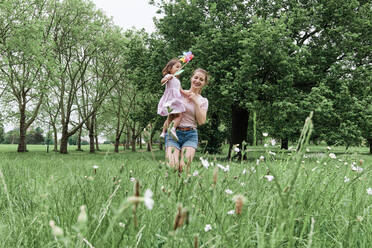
(239, 125)
(117, 143)
(78, 142)
(55, 138)
(64, 141)
(140, 141)
(91, 136)
(160, 145)
(370, 145)
(133, 143)
(284, 144)
(128, 139)
(254, 128)
(96, 132)
(22, 132)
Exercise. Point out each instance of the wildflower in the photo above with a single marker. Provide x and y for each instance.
(369, 191)
(272, 153)
(273, 142)
(239, 202)
(207, 228)
(236, 149)
(205, 162)
(361, 161)
(242, 184)
(345, 163)
(257, 162)
(132, 179)
(359, 218)
(253, 170)
(265, 134)
(329, 148)
(95, 167)
(56, 230)
(291, 148)
(356, 168)
(307, 150)
(318, 162)
(269, 177)
(266, 145)
(313, 169)
(195, 173)
(332, 155)
(225, 169)
(231, 212)
(121, 224)
(228, 191)
(346, 179)
(244, 171)
(83, 217)
(149, 202)
(262, 158)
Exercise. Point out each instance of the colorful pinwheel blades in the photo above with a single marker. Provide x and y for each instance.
(187, 57)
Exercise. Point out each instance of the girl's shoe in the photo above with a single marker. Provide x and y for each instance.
(174, 134)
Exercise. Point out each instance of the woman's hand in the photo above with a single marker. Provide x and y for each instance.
(192, 97)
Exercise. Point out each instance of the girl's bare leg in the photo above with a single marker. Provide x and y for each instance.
(177, 120)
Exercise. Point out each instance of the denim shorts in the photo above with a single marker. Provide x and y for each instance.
(185, 139)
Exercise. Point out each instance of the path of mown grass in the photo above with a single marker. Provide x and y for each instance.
(41, 187)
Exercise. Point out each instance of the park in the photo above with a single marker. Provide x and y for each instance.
(283, 152)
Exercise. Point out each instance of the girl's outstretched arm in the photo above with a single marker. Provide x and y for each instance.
(166, 78)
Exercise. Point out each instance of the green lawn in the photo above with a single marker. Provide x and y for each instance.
(313, 200)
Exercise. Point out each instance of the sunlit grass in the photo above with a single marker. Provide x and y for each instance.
(319, 210)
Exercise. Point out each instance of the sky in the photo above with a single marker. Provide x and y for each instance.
(129, 13)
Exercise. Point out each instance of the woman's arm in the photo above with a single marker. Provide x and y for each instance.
(200, 114)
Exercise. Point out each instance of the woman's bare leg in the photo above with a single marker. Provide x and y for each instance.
(189, 153)
(172, 154)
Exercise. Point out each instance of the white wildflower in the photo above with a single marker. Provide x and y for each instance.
(149, 202)
(244, 171)
(273, 142)
(291, 148)
(313, 169)
(207, 228)
(231, 212)
(269, 177)
(242, 184)
(272, 153)
(132, 179)
(265, 134)
(195, 173)
(332, 155)
(369, 191)
(83, 217)
(307, 150)
(95, 166)
(225, 169)
(356, 168)
(346, 179)
(228, 191)
(253, 170)
(262, 157)
(266, 145)
(236, 149)
(205, 162)
(329, 148)
(345, 163)
(257, 162)
(56, 230)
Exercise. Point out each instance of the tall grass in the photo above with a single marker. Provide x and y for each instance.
(307, 204)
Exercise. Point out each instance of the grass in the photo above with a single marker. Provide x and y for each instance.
(308, 204)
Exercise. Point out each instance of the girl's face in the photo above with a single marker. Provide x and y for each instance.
(198, 80)
(175, 68)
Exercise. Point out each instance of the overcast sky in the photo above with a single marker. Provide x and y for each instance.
(129, 13)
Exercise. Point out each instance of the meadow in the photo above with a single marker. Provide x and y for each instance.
(316, 198)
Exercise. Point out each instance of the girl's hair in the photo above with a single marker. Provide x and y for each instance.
(206, 75)
(169, 66)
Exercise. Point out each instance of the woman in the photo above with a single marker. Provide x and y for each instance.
(195, 114)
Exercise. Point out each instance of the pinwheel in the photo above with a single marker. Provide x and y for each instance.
(186, 58)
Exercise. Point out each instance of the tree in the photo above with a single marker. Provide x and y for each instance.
(24, 50)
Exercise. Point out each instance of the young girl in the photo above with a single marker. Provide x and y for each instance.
(171, 98)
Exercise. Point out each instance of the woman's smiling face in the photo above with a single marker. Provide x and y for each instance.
(198, 80)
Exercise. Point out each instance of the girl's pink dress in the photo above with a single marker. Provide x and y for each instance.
(171, 98)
